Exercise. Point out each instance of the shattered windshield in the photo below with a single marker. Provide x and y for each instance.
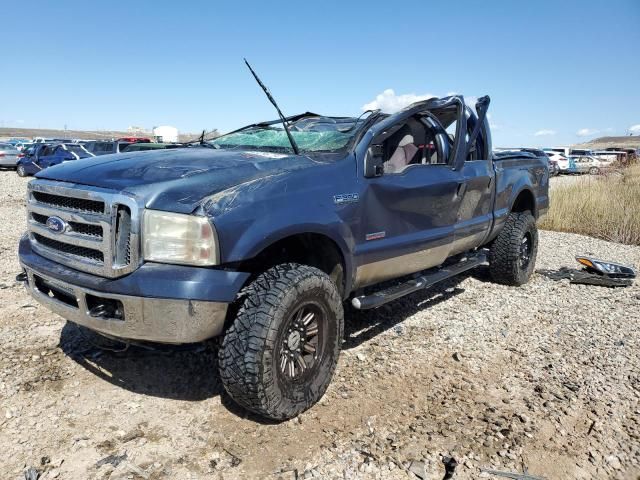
(311, 134)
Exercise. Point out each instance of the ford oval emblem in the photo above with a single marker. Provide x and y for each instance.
(56, 224)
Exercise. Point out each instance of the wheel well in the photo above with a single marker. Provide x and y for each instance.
(313, 249)
(524, 201)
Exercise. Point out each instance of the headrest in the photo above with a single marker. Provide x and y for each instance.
(406, 140)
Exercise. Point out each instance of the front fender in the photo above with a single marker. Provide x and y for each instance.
(266, 231)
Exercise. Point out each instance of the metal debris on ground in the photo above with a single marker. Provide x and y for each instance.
(114, 460)
(450, 465)
(31, 474)
(585, 278)
(235, 459)
(512, 475)
(597, 272)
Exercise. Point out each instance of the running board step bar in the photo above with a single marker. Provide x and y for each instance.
(428, 279)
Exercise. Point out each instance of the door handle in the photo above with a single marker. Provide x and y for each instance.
(462, 188)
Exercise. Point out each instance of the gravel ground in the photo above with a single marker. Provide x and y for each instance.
(543, 378)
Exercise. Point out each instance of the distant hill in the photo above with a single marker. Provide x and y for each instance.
(611, 142)
(30, 133)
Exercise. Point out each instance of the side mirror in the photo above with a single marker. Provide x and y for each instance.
(373, 161)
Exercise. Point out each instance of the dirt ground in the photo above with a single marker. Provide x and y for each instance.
(543, 378)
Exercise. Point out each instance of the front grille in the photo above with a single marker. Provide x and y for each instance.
(76, 251)
(69, 203)
(97, 230)
(86, 229)
(42, 219)
(77, 227)
(123, 235)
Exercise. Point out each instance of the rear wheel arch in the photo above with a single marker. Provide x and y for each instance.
(524, 201)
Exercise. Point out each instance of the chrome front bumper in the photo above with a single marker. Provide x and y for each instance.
(138, 318)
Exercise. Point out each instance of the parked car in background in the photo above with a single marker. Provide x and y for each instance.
(139, 147)
(8, 155)
(611, 155)
(18, 142)
(51, 140)
(134, 139)
(101, 147)
(23, 145)
(586, 164)
(559, 159)
(598, 164)
(64, 152)
(28, 163)
(43, 155)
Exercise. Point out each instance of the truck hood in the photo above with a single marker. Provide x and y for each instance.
(177, 180)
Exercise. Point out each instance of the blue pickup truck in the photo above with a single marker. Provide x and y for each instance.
(262, 235)
(44, 155)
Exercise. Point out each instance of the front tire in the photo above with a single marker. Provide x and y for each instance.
(594, 171)
(20, 171)
(278, 357)
(512, 255)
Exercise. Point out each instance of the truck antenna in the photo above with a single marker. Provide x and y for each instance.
(266, 91)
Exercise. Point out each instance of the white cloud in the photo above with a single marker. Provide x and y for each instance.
(544, 133)
(635, 129)
(389, 102)
(586, 132)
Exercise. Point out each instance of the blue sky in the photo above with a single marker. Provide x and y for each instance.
(551, 68)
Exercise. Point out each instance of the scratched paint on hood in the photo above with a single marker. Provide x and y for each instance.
(177, 180)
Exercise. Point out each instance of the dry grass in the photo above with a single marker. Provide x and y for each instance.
(606, 207)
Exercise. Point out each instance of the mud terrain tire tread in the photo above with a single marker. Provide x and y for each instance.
(245, 358)
(504, 254)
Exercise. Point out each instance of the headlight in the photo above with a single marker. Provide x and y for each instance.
(178, 238)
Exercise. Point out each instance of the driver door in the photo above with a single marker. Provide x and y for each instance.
(409, 211)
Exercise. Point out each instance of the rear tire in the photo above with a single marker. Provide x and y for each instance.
(278, 357)
(20, 171)
(512, 255)
(594, 171)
